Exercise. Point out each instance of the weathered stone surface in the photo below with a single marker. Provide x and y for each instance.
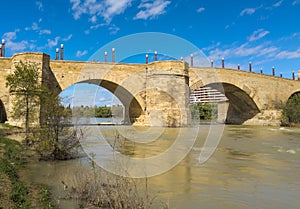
(251, 95)
(157, 93)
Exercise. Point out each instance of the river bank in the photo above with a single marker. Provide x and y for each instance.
(252, 167)
(87, 187)
(15, 192)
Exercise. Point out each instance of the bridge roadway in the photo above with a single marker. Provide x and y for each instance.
(157, 93)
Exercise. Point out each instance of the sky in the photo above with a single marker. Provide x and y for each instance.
(264, 32)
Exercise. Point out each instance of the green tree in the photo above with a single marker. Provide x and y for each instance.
(200, 111)
(57, 140)
(291, 110)
(103, 112)
(24, 85)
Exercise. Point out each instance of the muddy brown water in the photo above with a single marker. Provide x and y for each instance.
(252, 167)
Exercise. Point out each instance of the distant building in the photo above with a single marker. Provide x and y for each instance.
(207, 95)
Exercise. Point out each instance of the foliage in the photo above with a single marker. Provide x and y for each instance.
(103, 112)
(98, 112)
(291, 110)
(18, 195)
(8, 165)
(56, 139)
(95, 188)
(200, 111)
(45, 199)
(24, 85)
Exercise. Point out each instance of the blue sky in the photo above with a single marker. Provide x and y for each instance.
(267, 32)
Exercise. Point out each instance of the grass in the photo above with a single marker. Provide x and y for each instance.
(9, 163)
(45, 199)
(92, 187)
(14, 193)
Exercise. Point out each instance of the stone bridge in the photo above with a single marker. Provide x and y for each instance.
(157, 94)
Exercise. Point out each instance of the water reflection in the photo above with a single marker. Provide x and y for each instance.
(253, 167)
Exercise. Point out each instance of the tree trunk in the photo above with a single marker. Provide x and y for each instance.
(27, 117)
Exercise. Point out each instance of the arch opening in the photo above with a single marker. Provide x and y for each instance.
(241, 106)
(297, 93)
(291, 110)
(237, 104)
(3, 115)
(131, 107)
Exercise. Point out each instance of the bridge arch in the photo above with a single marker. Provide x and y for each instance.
(132, 106)
(293, 94)
(241, 107)
(3, 115)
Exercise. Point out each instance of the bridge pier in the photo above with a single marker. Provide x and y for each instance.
(166, 95)
(46, 79)
(222, 111)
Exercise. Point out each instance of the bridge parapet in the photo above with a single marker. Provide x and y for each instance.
(158, 93)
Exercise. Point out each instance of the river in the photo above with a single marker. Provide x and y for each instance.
(252, 167)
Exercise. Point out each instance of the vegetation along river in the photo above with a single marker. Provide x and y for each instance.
(252, 167)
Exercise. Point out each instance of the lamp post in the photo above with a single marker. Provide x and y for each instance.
(250, 66)
(223, 62)
(56, 53)
(105, 57)
(113, 55)
(2, 48)
(61, 52)
(147, 58)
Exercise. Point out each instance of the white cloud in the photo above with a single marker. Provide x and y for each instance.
(81, 53)
(113, 29)
(258, 34)
(52, 43)
(244, 50)
(78, 9)
(114, 7)
(48, 32)
(93, 27)
(35, 27)
(10, 35)
(106, 9)
(213, 46)
(10, 42)
(248, 11)
(288, 54)
(67, 38)
(296, 2)
(201, 9)
(278, 4)
(152, 10)
(39, 5)
(93, 19)
(291, 37)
